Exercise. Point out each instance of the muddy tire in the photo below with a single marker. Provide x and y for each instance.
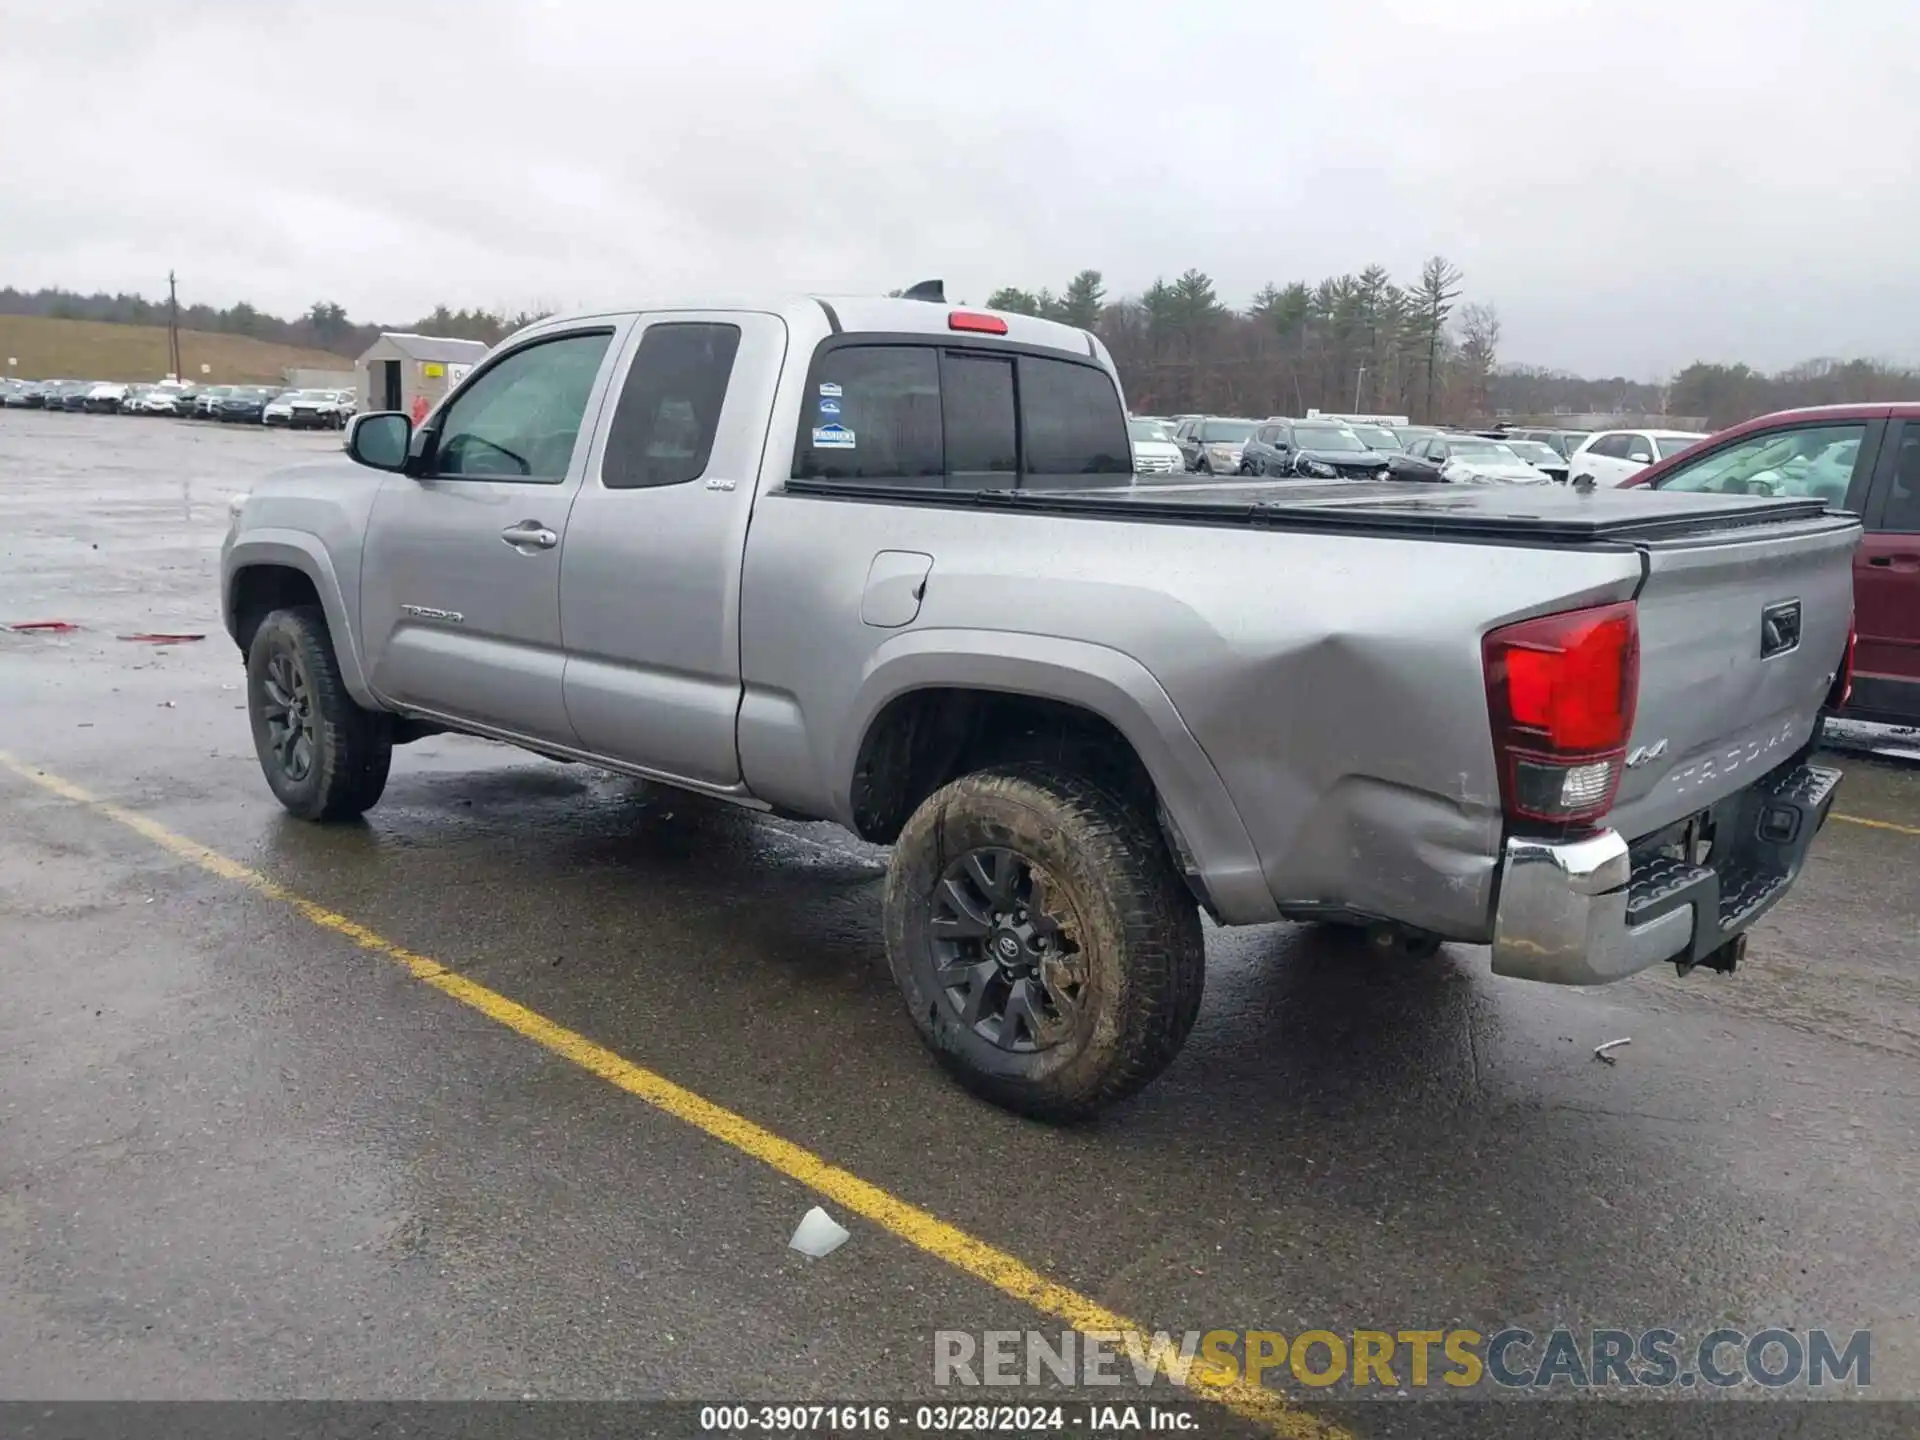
(1049, 955)
(324, 757)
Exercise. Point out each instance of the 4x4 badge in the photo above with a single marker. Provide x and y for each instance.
(1641, 754)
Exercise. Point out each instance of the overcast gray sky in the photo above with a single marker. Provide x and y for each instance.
(1633, 185)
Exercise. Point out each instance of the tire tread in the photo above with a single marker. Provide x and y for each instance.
(1164, 953)
(355, 749)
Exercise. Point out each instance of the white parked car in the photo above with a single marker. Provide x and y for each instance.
(279, 410)
(105, 398)
(1612, 457)
(1154, 452)
(162, 400)
(1472, 461)
(322, 409)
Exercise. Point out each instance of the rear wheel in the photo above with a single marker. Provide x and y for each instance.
(324, 757)
(1049, 955)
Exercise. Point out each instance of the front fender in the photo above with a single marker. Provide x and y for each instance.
(296, 550)
(1106, 682)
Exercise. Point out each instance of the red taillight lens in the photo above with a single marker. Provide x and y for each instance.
(1561, 692)
(1842, 690)
(973, 320)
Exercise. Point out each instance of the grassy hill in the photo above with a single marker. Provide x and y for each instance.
(92, 350)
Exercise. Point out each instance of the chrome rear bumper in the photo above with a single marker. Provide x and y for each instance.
(1586, 912)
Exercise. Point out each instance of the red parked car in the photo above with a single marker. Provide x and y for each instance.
(1863, 458)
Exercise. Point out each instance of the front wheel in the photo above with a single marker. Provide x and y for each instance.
(1049, 955)
(324, 757)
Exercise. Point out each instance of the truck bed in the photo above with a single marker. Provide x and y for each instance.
(1539, 514)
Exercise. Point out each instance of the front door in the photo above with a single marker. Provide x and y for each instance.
(650, 586)
(460, 588)
(1606, 458)
(390, 398)
(1886, 586)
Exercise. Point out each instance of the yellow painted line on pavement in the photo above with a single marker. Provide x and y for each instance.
(1877, 824)
(919, 1228)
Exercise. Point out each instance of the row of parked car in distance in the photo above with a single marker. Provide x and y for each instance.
(1331, 448)
(233, 404)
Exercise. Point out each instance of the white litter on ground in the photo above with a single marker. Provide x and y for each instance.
(817, 1235)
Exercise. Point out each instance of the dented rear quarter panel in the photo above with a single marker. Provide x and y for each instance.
(1332, 685)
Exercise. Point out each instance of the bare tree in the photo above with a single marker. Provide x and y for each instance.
(1433, 302)
(1479, 352)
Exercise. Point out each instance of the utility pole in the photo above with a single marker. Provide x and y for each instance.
(173, 324)
(1357, 381)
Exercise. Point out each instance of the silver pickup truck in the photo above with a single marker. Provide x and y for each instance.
(883, 562)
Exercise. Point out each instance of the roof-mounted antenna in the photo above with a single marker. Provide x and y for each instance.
(934, 290)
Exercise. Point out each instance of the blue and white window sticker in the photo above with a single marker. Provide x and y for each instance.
(829, 390)
(832, 437)
(829, 407)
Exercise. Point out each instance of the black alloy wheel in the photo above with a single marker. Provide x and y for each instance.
(286, 709)
(1006, 950)
(323, 756)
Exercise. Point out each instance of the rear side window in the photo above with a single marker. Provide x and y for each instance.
(1901, 513)
(663, 430)
(873, 414)
(1072, 420)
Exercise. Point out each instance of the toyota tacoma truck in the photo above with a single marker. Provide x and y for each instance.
(884, 562)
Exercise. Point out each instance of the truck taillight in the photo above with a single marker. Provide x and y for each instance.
(1560, 692)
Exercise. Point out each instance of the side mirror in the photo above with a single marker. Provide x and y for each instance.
(1282, 446)
(1640, 457)
(380, 440)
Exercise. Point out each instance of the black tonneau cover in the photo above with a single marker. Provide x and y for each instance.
(1543, 514)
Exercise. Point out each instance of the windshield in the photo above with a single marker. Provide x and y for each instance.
(1225, 432)
(1377, 437)
(1481, 450)
(1674, 444)
(1147, 430)
(1814, 461)
(1533, 452)
(1325, 437)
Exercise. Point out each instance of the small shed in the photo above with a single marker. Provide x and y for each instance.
(411, 372)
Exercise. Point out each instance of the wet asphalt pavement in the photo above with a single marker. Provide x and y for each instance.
(241, 1156)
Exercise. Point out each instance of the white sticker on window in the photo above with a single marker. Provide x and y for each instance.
(828, 388)
(833, 437)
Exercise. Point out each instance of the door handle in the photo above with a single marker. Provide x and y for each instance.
(1895, 562)
(529, 535)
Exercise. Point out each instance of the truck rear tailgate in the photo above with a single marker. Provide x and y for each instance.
(1741, 634)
